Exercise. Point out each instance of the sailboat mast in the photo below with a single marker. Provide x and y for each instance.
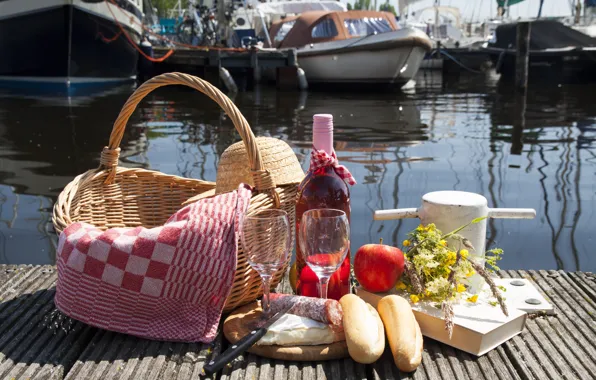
(540, 9)
(436, 33)
(578, 12)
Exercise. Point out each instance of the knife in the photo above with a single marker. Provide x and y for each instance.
(242, 345)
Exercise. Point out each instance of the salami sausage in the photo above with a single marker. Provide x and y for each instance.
(322, 310)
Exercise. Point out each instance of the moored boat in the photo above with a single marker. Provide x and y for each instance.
(63, 44)
(352, 46)
(557, 52)
(251, 19)
(449, 34)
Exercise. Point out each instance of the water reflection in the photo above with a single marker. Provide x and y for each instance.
(542, 166)
(557, 129)
(468, 134)
(47, 140)
(26, 232)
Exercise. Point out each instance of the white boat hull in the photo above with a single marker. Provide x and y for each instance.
(387, 66)
(391, 58)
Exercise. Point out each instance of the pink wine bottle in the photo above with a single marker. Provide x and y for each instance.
(322, 187)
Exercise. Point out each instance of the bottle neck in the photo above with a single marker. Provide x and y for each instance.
(323, 141)
(322, 133)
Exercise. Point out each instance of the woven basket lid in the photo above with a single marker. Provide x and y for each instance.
(278, 158)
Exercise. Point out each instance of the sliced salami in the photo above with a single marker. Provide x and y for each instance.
(322, 310)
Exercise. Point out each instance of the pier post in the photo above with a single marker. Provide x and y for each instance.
(519, 123)
(254, 63)
(211, 68)
(522, 58)
(292, 58)
(211, 74)
(522, 63)
(287, 76)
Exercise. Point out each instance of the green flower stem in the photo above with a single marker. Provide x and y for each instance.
(477, 220)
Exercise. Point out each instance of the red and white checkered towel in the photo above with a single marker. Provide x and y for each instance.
(165, 283)
(320, 159)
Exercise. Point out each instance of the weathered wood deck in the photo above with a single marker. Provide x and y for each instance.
(37, 342)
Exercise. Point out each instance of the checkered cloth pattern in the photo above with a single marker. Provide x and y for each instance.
(165, 283)
(320, 159)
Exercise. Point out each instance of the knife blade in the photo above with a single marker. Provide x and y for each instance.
(242, 345)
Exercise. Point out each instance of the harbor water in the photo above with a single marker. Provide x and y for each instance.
(469, 133)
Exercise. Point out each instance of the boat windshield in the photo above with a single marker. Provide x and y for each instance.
(324, 29)
(283, 30)
(359, 27)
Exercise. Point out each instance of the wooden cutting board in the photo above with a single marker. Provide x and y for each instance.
(237, 325)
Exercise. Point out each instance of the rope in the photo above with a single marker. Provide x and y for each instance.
(149, 58)
(459, 63)
(109, 40)
(163, 38)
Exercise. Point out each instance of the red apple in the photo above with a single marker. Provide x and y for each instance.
(378, 267)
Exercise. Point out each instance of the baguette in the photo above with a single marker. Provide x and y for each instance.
(403, 332)
(363, 328)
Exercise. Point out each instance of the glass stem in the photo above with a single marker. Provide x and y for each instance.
(265, 301)
(323, 282)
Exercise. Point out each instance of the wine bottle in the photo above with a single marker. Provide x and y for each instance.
(324, 186)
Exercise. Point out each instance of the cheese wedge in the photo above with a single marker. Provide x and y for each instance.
(294, 330)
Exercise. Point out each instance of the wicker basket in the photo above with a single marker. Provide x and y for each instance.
(113, 196)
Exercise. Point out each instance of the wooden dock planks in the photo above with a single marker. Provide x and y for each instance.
(32, 343)
(37, 342)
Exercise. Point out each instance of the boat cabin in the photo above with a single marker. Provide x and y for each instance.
(322, 26)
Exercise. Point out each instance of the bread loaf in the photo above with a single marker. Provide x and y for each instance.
(403, 332)
(363, 328)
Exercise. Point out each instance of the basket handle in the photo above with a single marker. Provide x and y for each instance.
(110, 154)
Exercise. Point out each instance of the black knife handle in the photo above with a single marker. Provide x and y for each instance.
(234, 351)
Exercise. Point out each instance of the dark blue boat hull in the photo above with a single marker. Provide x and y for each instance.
(65, 47)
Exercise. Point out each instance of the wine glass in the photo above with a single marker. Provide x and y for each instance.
(325, 240)
(267, 239)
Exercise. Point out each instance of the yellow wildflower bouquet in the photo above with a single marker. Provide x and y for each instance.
(436, 270)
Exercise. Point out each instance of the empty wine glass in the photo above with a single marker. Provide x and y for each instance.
(267, 239)
(325, 240)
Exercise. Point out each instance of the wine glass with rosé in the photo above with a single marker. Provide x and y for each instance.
(325, 240)
(267, 240)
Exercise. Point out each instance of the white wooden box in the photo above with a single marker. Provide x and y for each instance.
(478, 327)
